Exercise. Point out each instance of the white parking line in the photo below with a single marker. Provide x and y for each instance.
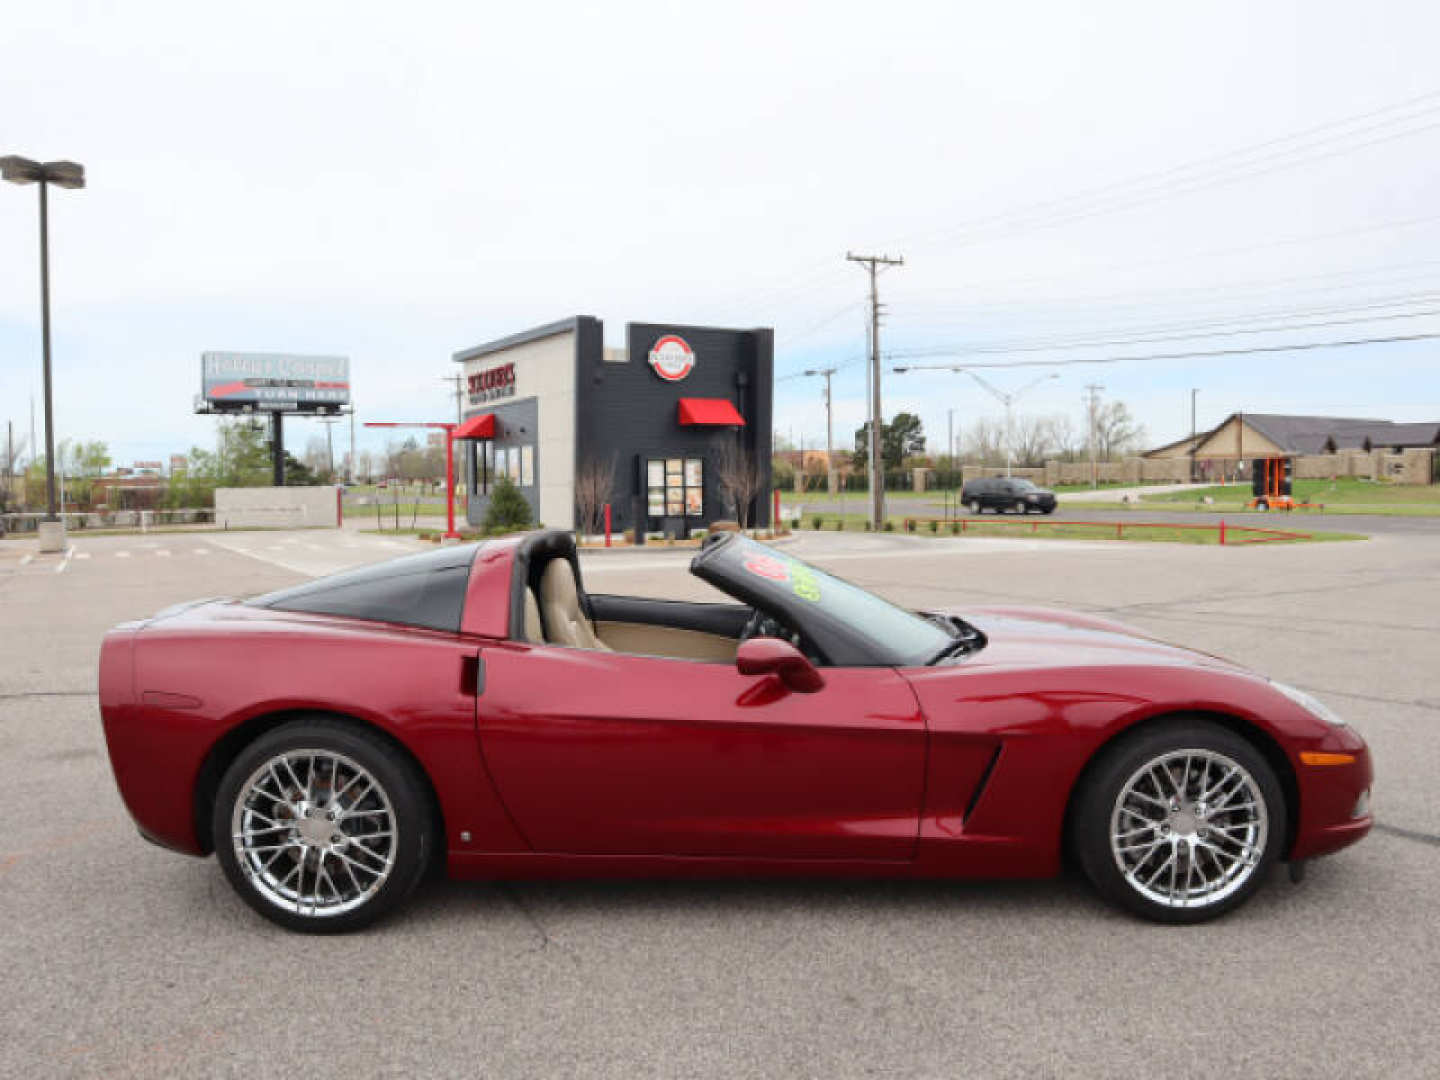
(82, 554)
(202, 551)
(122, 554)
(24, 559)
(164, 553)
(69, 554)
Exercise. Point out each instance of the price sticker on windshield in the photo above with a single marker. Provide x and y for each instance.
(805, 584)
(767, 566)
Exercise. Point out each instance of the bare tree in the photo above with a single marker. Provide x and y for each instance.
(985, 441)
(1031, 439)
(1117, 433)
(594, 485)
(741, 476)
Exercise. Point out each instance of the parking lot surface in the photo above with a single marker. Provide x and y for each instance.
(119, 959)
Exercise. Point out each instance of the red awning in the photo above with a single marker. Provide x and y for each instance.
(477, 427)
(709, 411)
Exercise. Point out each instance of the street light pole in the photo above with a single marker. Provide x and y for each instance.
(66, 174)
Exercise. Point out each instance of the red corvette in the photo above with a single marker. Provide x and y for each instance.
(475, 705)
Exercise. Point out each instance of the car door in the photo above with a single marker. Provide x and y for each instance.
(606, 753)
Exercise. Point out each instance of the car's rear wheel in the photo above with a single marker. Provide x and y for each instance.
(322, 826)
(1181, 822)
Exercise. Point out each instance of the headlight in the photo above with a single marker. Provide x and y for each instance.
(1310, 704)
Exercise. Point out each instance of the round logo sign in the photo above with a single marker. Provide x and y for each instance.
(672, 358)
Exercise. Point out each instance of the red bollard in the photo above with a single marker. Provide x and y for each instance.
(1222, 532)
(1119, 527)
(607, 524)
(775, 517)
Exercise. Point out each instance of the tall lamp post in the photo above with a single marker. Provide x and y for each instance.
(65, 174)
(1008, 399)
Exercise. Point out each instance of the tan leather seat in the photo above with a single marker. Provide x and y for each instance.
(534, 629)
(565, 621)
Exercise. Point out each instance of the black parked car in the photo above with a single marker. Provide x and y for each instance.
(1003, 493)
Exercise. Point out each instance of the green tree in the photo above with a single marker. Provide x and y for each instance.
(508, 509)
(902, 437)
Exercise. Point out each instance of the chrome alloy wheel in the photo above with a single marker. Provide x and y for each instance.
(1189, 828)
(314, 832)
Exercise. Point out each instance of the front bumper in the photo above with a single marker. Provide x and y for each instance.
(1334, 798)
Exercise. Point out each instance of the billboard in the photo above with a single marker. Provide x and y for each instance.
(273, 382)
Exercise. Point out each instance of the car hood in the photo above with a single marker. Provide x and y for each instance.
(1049, 637)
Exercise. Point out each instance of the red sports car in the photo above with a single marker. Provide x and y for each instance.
(475, 706)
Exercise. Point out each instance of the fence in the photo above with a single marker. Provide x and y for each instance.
(76, 521)
(1226, 535)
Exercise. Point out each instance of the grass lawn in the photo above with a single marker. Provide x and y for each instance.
(1038, 528)
(1348, 495)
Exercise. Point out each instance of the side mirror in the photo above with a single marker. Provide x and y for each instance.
(771, 656)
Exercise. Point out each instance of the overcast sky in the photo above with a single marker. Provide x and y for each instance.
(393, 182)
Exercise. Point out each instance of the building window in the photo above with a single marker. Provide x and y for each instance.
(480, 466)
(675, 487)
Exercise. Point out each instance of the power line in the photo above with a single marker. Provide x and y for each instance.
(1201, 330)
(1114, 197)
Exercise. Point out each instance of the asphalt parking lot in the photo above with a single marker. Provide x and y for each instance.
(119, 959)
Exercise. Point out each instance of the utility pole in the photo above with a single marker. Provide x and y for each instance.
(877, 471)
(350, 465)
(329, 422)
(829, 428)
(1092, 395)
(1193, 391)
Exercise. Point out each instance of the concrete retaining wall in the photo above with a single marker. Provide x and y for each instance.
(277, 507)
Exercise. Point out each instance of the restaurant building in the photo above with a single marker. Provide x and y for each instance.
(663, 424)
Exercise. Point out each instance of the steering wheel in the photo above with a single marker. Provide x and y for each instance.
(761, 625)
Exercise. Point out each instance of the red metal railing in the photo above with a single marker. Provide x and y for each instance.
(1226, 532)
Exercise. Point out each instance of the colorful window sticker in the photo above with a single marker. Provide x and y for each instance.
(694, 502)
(767, 566)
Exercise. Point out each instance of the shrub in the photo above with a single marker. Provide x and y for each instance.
(508, 509)
(889, 525)
(817, 521)
(954, 528)
(934, 526)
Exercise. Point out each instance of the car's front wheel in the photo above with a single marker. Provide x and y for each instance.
(976, 507)
(1180, 822)
(322, 826)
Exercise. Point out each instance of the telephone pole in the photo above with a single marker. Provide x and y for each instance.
(829, 429)
(1092, 398)
(877, 470)
(329, 422)
(1194, 390)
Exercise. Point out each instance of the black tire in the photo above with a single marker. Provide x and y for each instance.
(1262, 505)
(977, 507)
(401, 790)
(1019, 507)
(1096, 807)
(1049, 509)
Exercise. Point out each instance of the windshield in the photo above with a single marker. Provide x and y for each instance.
(898, 636)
